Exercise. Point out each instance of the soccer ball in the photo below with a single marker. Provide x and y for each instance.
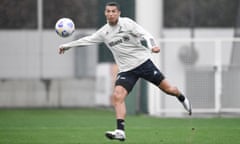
(64, 27)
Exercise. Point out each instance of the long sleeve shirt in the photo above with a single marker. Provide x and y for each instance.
(129, 43)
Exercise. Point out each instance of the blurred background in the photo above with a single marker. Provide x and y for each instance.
(199, 54)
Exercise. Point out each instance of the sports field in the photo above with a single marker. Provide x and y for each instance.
(87, 126)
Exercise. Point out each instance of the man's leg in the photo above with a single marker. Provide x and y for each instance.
(171, 90)
(119, 95)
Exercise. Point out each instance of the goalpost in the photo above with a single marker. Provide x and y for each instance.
(203, 70)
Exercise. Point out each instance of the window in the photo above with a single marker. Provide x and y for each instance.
(200, 13)
(18, 14)
(82, 12)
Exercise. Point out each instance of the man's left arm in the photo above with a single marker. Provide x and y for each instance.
(147, 37)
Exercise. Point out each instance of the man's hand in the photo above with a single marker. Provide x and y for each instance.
(155, 49)
(62, 50)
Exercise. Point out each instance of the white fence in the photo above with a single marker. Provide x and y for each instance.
(205, 70)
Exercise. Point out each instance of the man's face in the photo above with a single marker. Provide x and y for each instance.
(112, 14)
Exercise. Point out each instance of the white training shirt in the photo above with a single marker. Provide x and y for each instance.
(124, 40)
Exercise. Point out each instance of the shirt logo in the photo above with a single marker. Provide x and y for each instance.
(120, 30)
(125, 38)
(116, 42)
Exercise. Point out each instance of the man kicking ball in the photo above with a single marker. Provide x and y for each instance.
(131, 47)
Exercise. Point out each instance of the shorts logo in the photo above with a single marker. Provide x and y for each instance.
(119, 77)
(122, 78)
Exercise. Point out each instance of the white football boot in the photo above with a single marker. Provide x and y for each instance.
(187, 105)
(116, 135)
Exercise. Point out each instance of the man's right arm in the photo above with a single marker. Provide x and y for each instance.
(85, 41)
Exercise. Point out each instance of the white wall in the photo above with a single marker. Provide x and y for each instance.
(59, 93)
(27, 57)
(29, 54)
(205, 48)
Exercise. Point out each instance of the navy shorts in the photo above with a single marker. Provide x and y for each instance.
(147, 71)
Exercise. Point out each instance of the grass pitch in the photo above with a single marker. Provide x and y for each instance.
(87, 126)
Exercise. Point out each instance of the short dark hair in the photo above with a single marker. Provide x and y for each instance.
(113, 4)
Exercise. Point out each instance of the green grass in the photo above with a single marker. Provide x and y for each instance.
(87, 126)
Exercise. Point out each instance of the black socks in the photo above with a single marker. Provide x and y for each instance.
(120, 124)
(181, 98)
